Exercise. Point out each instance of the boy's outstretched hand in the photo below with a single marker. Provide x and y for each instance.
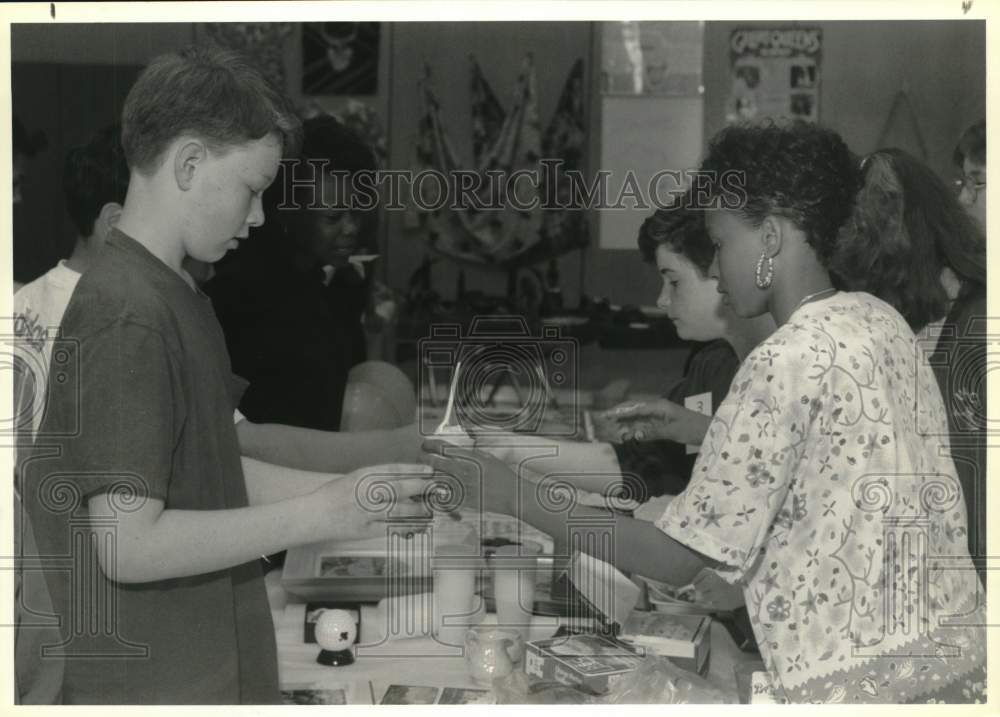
(362, 501)
(484, 482)
(651, 420)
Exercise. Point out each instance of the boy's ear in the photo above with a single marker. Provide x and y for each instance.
(110, 214)
(189, 155)
(106, 219)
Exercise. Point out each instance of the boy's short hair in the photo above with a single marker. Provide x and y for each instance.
(680, 228)
(971, 144)
(217, 95)
(93, 175)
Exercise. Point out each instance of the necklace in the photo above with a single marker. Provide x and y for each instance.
(812, 297)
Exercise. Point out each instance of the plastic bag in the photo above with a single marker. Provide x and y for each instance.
(518, 688)
(659, 681)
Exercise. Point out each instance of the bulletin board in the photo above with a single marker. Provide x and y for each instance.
(775, 73)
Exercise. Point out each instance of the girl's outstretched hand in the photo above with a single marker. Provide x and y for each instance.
(516, 448)
(362, 501)
(477, 480)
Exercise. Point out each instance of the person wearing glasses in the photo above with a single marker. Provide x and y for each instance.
(970, 160)
(961, 352)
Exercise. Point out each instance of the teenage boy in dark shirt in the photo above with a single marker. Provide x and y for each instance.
(153, 529)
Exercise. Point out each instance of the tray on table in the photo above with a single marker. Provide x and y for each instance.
(366, 570)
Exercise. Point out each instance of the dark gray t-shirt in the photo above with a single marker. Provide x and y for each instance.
(148, 408)
(663, 467)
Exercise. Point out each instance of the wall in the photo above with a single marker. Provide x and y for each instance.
(865, 64)
(69, 81)
(69, 102)
(97, 44)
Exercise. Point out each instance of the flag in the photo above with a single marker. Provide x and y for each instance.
(510, 143)
(487, 114)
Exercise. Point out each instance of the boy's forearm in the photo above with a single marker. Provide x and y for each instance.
(639, 546)
(269, 483)
(321, 451)
(174, 545)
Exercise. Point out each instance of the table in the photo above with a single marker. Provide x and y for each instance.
(429, 664)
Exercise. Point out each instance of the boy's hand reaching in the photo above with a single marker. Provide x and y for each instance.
(483, 482)
(361, 502)
(651, 420)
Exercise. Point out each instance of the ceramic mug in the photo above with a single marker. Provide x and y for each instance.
(489, 653)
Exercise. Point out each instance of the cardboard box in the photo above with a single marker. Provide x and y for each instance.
(589, 660)
(685, 639)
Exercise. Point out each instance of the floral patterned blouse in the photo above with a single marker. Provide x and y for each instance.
(820, 489)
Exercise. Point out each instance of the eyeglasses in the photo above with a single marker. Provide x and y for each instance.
(971, 185)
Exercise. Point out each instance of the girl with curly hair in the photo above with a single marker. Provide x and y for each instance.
(845, 420)
(816, 488)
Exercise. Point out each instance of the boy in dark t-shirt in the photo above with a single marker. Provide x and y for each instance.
(149, 527)
(663, 466)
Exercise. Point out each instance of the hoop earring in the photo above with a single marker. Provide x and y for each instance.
(764, 280)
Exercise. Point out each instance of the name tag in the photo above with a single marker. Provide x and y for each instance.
(699, 403)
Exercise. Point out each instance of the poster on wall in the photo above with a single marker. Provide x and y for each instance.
(775, 73)
(340, 58)
(652, 58)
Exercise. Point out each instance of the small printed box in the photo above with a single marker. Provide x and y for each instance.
(589, 660)
(685, 639)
